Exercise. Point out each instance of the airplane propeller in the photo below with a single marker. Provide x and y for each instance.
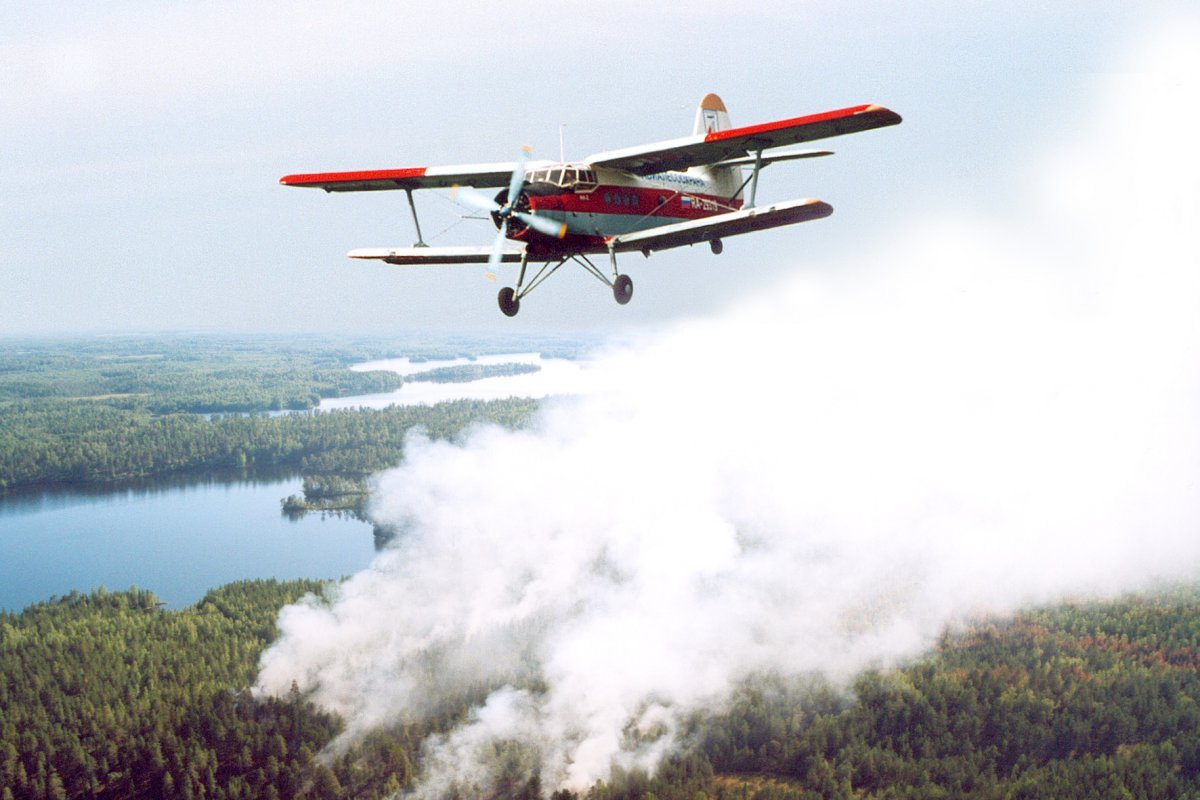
(508, 211)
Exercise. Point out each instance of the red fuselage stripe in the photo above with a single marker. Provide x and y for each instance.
(633, 200)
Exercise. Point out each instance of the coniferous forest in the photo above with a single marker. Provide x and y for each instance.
(110, 695)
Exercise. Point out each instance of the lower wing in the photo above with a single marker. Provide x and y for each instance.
(435, 255)
(747, 220)
(663, 237)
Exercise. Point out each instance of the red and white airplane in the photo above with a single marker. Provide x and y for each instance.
(647, 198)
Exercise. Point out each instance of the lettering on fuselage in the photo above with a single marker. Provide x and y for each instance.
(699, 204)
(677, 178)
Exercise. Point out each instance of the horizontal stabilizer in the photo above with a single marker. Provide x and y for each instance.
(771, 158)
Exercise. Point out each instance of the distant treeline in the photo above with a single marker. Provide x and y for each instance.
(72, 443)
(230, 374)
(109, 695)
(202, 375)
(110, 409)
(465, 373)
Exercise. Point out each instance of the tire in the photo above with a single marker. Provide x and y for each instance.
(509, 303)
(623, 289)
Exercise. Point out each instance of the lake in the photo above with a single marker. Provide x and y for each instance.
(181, 537)
(178, 541)
(556, 376)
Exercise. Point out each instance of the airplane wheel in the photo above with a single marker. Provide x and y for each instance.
(717, 246)
(509, 303)
(623, 289)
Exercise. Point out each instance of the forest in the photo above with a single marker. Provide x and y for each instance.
(465, 373)
(202, 375)
(102, 411)
(75, 444)
(109, 695)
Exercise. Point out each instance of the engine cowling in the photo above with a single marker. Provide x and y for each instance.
(515, 225)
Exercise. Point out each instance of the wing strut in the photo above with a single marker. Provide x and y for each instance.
(752, 181)
(754, 175)
(413, 207)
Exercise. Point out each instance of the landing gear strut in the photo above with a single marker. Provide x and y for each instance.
(509, 298)
(622, 285)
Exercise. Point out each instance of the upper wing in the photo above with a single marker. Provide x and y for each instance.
(747, 220)
(692, 151)
(435, 255)
(478, 175)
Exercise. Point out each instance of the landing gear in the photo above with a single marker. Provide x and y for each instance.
(716, 245)
(622, 289)
(509, 298)
(508, 301)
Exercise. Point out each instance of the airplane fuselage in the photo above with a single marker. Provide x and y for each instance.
(596, 204)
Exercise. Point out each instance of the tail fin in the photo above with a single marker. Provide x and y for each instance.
(711, 116)
(726, 181)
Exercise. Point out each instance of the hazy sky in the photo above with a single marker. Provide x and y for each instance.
(141, 143)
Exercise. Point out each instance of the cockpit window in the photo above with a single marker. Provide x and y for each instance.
(567, 177)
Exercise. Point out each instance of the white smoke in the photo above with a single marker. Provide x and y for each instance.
(993, 413)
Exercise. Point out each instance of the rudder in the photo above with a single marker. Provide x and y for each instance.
(711, 115)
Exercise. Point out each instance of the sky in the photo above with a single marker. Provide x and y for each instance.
(141, 144)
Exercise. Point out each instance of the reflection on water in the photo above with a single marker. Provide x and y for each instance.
(177, 538)
(24, 500)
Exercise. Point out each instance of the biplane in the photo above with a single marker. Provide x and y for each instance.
(700, 188)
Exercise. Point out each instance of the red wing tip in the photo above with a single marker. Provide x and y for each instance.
(358, 176)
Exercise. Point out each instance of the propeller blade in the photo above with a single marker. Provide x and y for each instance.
(543, 225)
(474, 198)
(497, 251)
(518, 177)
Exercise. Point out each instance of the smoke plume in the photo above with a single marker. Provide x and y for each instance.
(995, 412)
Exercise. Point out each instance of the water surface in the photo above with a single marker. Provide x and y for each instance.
(178, 541)
(557, 376)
